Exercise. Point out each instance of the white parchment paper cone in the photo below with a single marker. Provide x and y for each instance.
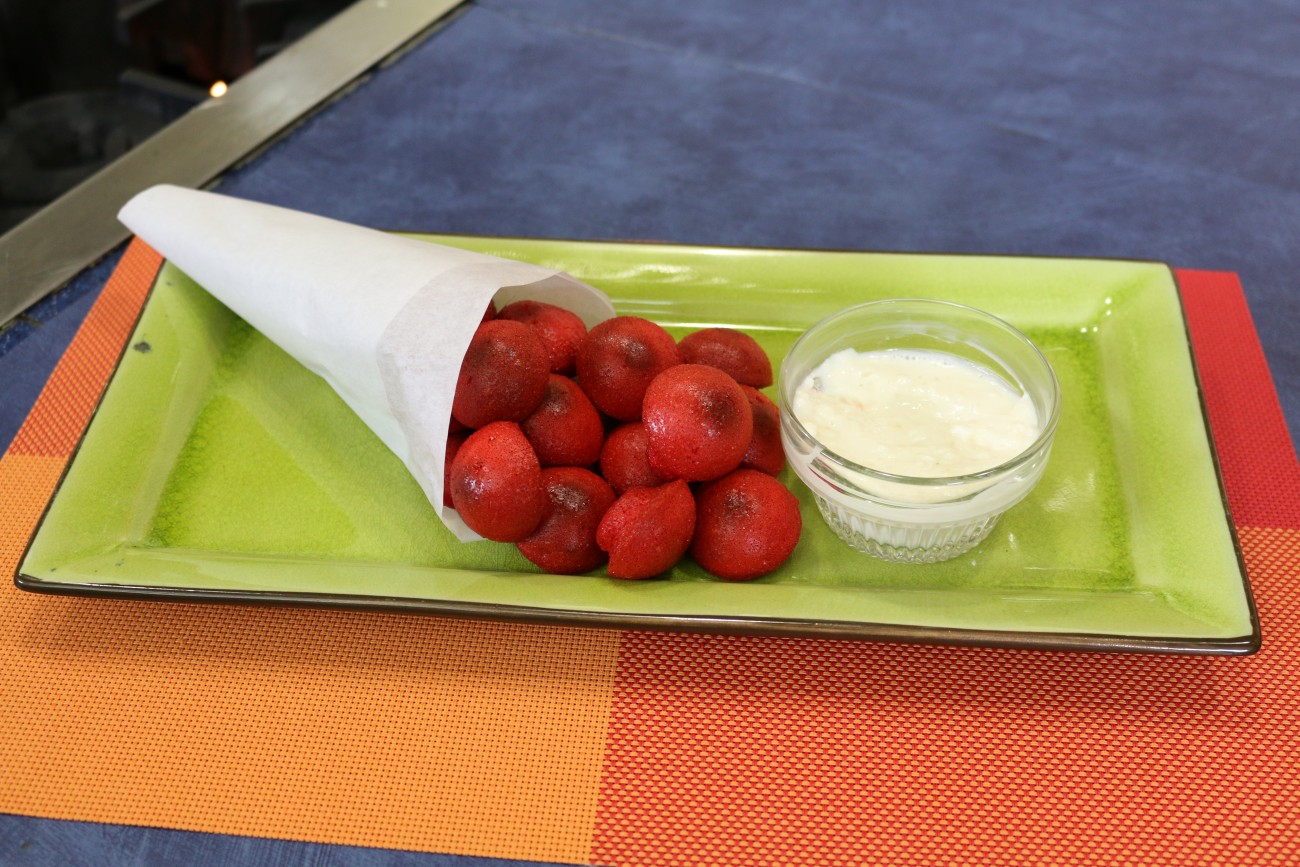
(384, 319)
(419, 356)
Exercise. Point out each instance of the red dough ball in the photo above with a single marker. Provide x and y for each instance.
(565, 429)
(455, 439)
(730, 350)
(496, 483)
(503, 375)
(618, 359)
(764, 453)
(623, 460)
(698, 423)
(565, 541)
(647, 530)
(561, 330)
(748, 524)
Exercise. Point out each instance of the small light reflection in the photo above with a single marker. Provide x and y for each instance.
(218, 89)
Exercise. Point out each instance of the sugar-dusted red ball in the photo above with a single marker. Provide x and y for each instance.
(496, 483)
(747, 524)
(617, 360)
(698, 423)
(455, 439)
(764, 453)
(623, 460)
(565, 429)
(647, 530)
(502, 376)
(565, 540)
(561, 330)
(730, 350)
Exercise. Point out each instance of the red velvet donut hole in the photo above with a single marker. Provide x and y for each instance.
(565, 540)
(623, 460)
(561, 330)
(617, 361)
(502, 376)
(765, 453)
(455, 440)
(729, 350)
(698, 423)
(565, 429)
(647, 530)
(496, 483)
(747, 525)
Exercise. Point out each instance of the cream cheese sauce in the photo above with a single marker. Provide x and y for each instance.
(915, 413)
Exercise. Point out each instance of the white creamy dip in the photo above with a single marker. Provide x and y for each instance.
(915, 412)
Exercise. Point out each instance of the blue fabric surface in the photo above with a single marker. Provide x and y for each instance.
(31, 348)
(1151, 131)
(26, 841)
(1159, 130)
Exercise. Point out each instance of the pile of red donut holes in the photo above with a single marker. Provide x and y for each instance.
(619, 446)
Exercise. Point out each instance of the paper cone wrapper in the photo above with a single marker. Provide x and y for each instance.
(384, 319)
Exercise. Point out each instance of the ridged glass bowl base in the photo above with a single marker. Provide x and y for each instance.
(898, 543)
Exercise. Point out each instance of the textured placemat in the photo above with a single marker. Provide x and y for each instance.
(639, 748)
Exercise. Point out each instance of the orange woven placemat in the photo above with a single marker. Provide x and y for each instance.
(643, 748)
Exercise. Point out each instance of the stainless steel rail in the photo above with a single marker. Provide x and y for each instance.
(44, 252)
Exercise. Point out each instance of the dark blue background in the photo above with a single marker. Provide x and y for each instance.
(1156, 130)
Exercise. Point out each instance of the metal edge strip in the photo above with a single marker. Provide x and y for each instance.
(44, 252)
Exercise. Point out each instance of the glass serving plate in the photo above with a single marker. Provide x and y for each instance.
(219, 469)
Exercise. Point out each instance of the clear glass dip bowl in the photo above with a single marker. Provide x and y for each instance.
(913, 519)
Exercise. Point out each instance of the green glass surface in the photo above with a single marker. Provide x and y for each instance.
(218, 463)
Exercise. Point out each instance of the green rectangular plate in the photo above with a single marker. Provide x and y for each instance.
(219, 469)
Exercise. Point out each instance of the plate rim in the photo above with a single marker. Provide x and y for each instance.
(912, 634)
(709, 624)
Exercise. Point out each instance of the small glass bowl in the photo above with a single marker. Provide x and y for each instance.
(912, 519)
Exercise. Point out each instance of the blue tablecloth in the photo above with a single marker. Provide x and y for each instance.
(1160, 130)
